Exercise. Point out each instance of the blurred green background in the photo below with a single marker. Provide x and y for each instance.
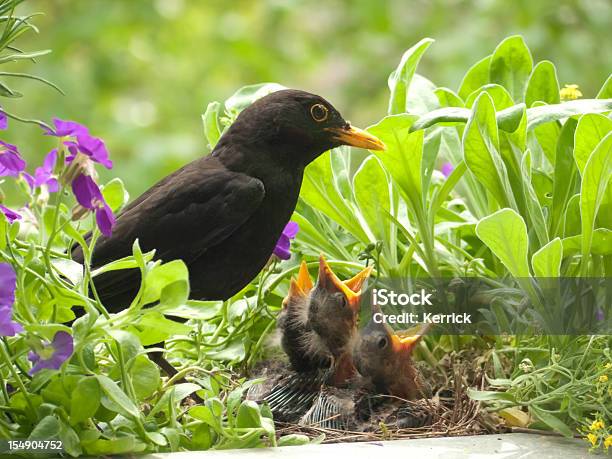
(139, 73)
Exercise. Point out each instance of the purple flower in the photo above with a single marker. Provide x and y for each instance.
(90, 197)
(11, 163)
(10, 214)
(284, 242)
(3, 120)
(95, 149)
(44, 174)
(8, 284)
(8, 327)
(53, 354)
(65, 128)
(447, 169)
(599, 315)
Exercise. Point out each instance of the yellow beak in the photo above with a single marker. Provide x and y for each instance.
(356, 137)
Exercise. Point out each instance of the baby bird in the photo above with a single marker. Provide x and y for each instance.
(318, 322)
(383, 357)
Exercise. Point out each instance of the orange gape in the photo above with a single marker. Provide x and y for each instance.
(319, 322)
(385, 358)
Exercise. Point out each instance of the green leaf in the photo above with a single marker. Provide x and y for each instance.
(447, 98)
(547, 135)
(403, 156)
(511, 66)
(118, 445)
(47, 429)
(371, 188)
(320, 191)
(552, 421)
(152, 327)
(85, 400)
(489, 395)
(128, 342)
(547, 113)
(591, 129)
(293, 440)
(546, 262)
(246, 95)
(70, 441)
(476, 77)
(500, 96)
(606, 90)
(565, 176)
(481, 151)
(572, 222)
(248, 415)
(543, 85)
(118, 397)
(601, 243)
(115, 194)
(534, 209)
(162, 276)
(400, 79)
(145, 377)
(210, 119)
(595, 181)
(505, 233)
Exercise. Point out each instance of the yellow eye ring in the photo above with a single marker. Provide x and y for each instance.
(319, 112)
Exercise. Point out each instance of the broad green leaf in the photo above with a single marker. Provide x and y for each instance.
(320, 191)
(115, 194)
(489, 395)
(210, 120)
(85, 400)
(47, 429)
(601, 243)
(546, 262)
(129, 344)
(476, 77)
(505, 233)
(547, 135)
(162, 276)
(117, 396)
(543, 85)
(595, 181)
(371, 188)
(447, 98)
(248, 415)
(606, 90)
(400, 79)
(421, 96)
(118, 445)
(404, 155)
(565, 176)
(145, 377)
(152, 327)
(293, 440)
(500, 96)
(591, 129)
(511, 65)
(509, 118)
(481, 151)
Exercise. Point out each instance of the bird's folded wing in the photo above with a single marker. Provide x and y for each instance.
(191, 210)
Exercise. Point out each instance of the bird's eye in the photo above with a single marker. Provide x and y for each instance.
(382, 343)
(319, 112)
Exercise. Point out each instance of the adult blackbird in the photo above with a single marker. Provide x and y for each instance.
(223, 214)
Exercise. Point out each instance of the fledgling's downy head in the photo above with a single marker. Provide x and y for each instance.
(334, 306)
(384, 356)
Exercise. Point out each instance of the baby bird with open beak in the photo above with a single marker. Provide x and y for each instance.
(384, 357)
(318, 322)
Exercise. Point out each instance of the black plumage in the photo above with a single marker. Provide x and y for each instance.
(223, 214)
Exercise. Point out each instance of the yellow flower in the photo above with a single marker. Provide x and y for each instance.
(603, 378)
(597, 424)
(592, 438)
(608, 366)
(570, 92)
(608, 441)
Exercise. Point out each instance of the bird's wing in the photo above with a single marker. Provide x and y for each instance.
(191, 210)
